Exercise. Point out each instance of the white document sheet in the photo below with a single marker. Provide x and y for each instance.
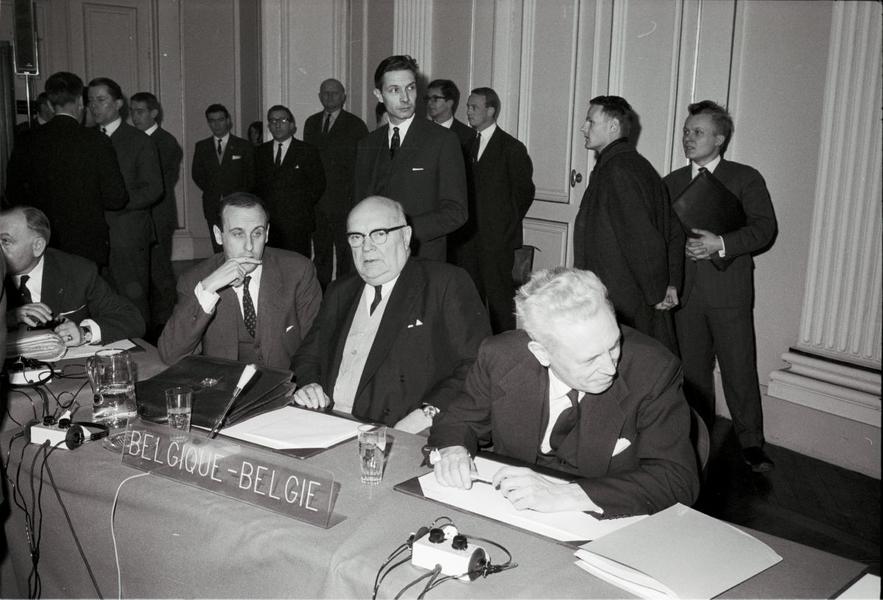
(87, 350)
(290, 427)
(484, 500)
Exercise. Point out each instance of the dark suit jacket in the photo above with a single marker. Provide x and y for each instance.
(288, 302)
(627, 234)
(139, 164)
(464, 132)
(427, 340)
(427, 177)
(290, 190)
(338, 153)
(165, 213)
(71, 283)
(235, 172)
(505, 400)
(504, 191)
(735, 285)
(71, 173)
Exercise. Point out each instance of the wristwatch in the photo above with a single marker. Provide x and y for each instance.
(430, 411)
(86, 335)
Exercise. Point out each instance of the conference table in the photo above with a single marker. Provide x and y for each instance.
(175, 540)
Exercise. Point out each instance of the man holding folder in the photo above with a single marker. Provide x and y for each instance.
(716, 315)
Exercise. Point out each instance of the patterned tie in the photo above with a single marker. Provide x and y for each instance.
(248, 314)
(23, 290)
(279, 155)
(377, 298)
(395, 143)
(327, 124)
(476, 144)
(566, 421)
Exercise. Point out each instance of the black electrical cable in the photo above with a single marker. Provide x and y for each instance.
(392, 555)
(434, 573)
(388, 571)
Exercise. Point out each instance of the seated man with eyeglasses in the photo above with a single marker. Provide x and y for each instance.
(393, 342)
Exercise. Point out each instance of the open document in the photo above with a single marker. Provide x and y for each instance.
(676, 553)
(484, 500)
(289, 427)
(87, 350)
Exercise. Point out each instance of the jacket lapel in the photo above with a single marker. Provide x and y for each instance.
(268, 303)
(527, 391)
(591, 444)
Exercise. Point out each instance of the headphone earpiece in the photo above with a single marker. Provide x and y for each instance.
(79, 433)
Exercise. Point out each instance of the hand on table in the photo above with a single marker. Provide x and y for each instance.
(527, 489)
(311, 396)
(70, 333)
(455, 467)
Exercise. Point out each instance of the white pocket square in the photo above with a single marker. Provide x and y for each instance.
(289, 328)
(417, 168)
(235, 157)
(621, 444)
(416, 323)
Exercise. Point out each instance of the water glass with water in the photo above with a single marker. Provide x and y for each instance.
(115, 403)
(372, 452)
(179, 405)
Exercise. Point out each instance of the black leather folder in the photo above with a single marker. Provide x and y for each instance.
(213, 381)
(707, 204)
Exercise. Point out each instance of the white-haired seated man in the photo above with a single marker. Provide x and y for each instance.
(578, 393)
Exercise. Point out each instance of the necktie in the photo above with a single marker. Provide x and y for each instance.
(23, 290)
(279, 155)
(476, 144)
(327, 124)
(104, 130)
(248, 314)
(377, 298)
(566, 421)
(220, 149)
(395, 143)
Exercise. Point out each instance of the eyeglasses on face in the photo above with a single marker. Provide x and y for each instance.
(433, 98)
(378, 236)
(282, 121)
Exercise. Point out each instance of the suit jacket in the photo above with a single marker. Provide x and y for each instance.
(292, 189)
(139, 163)
(427, 177)
(627, 234)
(288, 302)
(734, 286)
(165, 213)
(338, 152)
(71, 284)
(71, 173)
(504, 191)
(506, 396)
(235, 172)
(427, 340)
(464, 132)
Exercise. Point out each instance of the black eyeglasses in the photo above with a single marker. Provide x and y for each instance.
(430, 98)
(378, 236)
(279, 121)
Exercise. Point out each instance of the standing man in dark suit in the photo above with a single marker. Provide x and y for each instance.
(131, 229)
(577, 393)
(146, 115)
(289, 177)
(625, 231)
(251, 303)
(413, 162)
(503, 190)
(716, 316)
(45, 285)
(222, 164)
(335, 133)
(393, 342)
(442, 99)
(70, 172)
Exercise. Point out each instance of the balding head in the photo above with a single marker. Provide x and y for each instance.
(332, 95)
(380, 239)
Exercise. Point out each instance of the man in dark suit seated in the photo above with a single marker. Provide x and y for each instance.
(290, 179)
(48, 286)
(335, 133)
(578, 393)
(412, 161)
(393, 342)
(251, 303)
(222, 164)
(715, 319)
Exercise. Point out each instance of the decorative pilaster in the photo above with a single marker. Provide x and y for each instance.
(841, 318)
(412, 31)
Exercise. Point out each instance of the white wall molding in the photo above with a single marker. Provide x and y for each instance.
(274, 77)
(412, 32)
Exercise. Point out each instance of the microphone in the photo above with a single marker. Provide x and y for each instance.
(247, 373)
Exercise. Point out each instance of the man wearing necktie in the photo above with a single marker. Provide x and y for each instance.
(290, 179)
(250, 303)
(222, 164)
(335, 132)
(716, 318)
(413, 161)
(393, 341)
(575, 392)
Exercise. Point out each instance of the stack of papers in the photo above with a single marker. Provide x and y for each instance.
(484, 500)
(676, 553)
(293, 428)
(87, 350)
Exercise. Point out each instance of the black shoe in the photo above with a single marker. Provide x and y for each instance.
(757, 459)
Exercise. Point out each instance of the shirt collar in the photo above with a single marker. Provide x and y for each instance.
(35, 275)
(152, 129)
(111, 127)
(447, 124)
(710, 166)
(385, 290)
(403, 129)
(223, 139)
